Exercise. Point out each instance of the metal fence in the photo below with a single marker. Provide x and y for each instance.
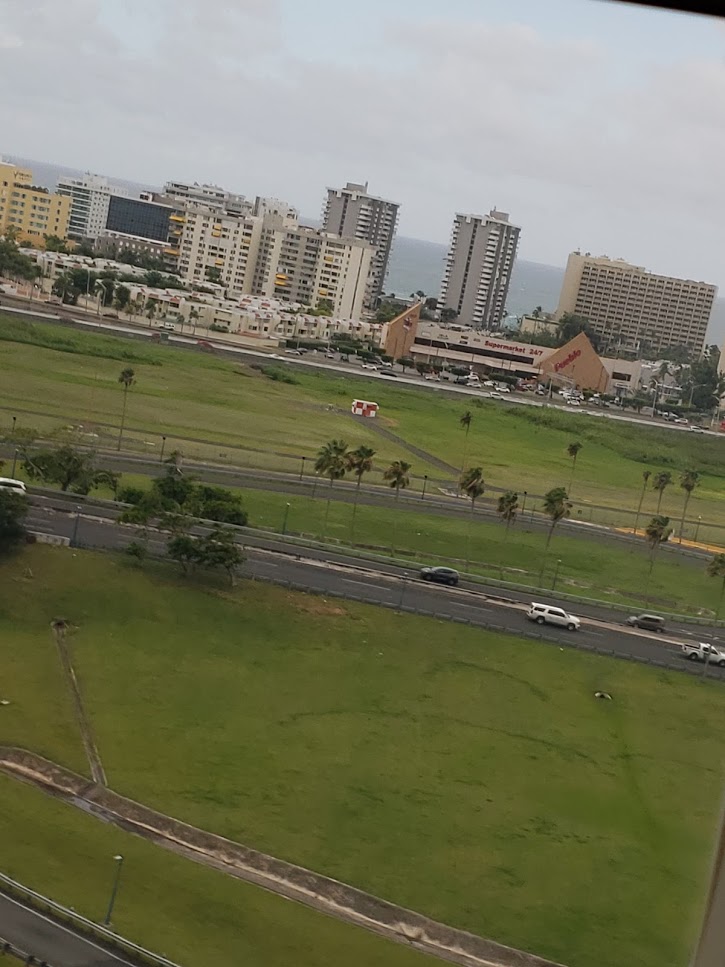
(84, 927)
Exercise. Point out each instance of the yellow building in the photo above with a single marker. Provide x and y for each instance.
(33, 211)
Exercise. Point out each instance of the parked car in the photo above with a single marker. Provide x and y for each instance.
(293, 352)
(388, 372)
(701, 651)
(432, 377)
(387, 365)
(495, 396)
(168, 326)
(329, 355)
(683, 421)
(650, 622)
(9, 483)
(370, 366)
(440, 575)
(572, 402)
(697, 429)
(503, 388)
(550, 615)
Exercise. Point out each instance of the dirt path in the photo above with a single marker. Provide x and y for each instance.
(89, 744)
(376, 427)
(296, 883)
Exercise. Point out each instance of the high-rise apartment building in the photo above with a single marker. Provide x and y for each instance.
(89, 200)
(308, 265)
(209, 195)
(32, 211)
(215, 246)
(353, 213)
(634, 310)
(478, 268)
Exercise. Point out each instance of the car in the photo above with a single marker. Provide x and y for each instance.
(682, 421)
(387, 365)
(275, 356)
(344, 359)
(293, 352)
(440, 575)
(572, 402)
(702, 651)
(432, 377)
(329, 355)
(495, 396)
(551, 615)
(370, 366)
(503, 388)
(697, 429)
(650, 622)
(489, 382)
(9, 483)
(168, 326)
(387, 372)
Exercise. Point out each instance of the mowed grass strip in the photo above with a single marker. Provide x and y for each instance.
(471, 776)
(168, 904)
(194, 396)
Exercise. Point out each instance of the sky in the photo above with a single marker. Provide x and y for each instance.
(596, 125)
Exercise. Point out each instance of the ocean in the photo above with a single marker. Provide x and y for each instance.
(414, 264)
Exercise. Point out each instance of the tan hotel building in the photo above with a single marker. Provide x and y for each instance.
(575, 364)
(33, 211)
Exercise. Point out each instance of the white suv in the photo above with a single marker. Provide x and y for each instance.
(547, 614)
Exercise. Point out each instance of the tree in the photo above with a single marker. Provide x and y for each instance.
(331, 462)
(13, 508)
(405, 362)
(65, 289)
(387, 312)
(193, 317)
(646, 474)
(573, 451)
(151, 309)
(13, 263)
(126, 378)
(473, 485)
(508, 506)
(398, 476)
(219, 550)
(184, 549)
(557, 506)
(55, 244)
(122, 296)
(69, 469)
(570, 325)
(661, 481)
(657, 532)
(716, 569)
(689, 479)
(213, 274)
(325, 307)
(448, 315)
(359, 462)
(465, 422)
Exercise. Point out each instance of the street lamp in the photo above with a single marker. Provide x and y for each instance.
(425, 484)
(163, 446)
(556, 575)
(12, 432)
(523, 507)
(284, 521)
(697, 526)
(116, 880)
(15, 462)
(302, 468)
(74, 538)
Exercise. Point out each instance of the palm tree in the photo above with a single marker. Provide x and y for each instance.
(662, 480)
(126, 379)
(716, 569)
(646, 474)
(508, 506)
(359, 461)
(193, 317)
(473, 485)
(573, 451)
(465, 422)
(558, 506)
(689, 479)
(151, 308)
(657, 532)
(398, 476)
(331, 462)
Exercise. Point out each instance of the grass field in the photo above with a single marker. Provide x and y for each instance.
(70, 378)
(195, 916)
(467, 775)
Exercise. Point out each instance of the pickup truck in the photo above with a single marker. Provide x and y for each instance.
(701, 651)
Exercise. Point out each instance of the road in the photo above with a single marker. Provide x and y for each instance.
(336, 574)
(36, 934)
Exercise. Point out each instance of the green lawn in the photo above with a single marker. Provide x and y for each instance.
(70, 378)
(193, 915)
(467, 775)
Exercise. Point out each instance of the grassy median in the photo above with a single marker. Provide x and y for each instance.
(467, 775)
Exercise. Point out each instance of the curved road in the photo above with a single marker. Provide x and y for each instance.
(328, 572)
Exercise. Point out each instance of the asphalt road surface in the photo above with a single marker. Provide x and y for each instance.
(326, 572)
(36, 934)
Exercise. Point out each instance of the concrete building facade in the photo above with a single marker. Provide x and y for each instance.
(633, 310)
(478, 268)
(32, 211)
(306, 265)
(353, 213)
(89, 200)
(207, 195)
(217, 245)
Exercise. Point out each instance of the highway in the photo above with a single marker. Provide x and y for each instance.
(49, 941)
(328, 572)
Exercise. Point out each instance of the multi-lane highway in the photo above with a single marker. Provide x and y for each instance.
(48, 941)
(325, 572)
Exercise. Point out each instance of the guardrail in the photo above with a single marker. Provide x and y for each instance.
(82, 925)
(8, 950)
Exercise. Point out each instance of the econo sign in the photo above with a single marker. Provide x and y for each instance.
(567, 360)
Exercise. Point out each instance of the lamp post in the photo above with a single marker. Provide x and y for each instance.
(163, 447)
(697, 526)
(556, 575)
(284, 520)
(76, 524)
(302, 467)
(15, 462)
(12, 432)
(116, 880)
(523, 506)
(425, 484)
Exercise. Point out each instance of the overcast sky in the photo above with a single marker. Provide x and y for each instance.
(596, 125)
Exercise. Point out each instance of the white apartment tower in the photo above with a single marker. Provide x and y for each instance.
(214, 245)
(353, 213)
(478, 268)
(90, 197)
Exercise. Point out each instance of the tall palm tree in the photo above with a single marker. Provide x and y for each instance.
(689, 479)
(473, 485)
(508, 506)
(359, 462)
(716, 569)
(657, 532)
(398, 476)
(331, 462)
(646, 474)
(557, 506)
(661, 480)
(126, 379)
(573, 451)
(465, 422)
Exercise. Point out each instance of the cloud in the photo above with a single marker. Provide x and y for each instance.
(446, 116)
